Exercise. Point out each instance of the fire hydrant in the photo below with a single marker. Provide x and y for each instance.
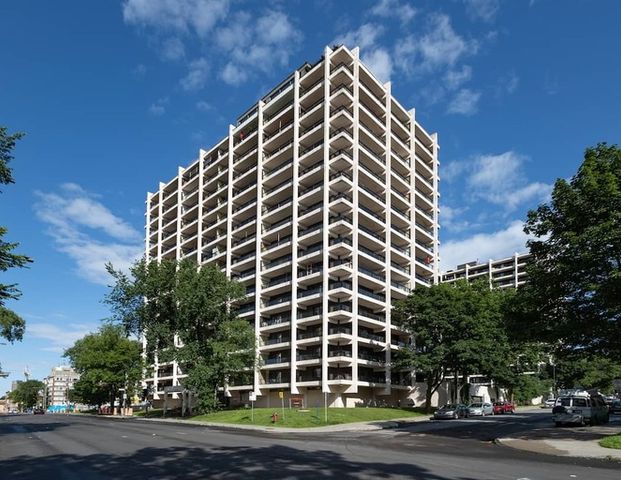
(274, 417)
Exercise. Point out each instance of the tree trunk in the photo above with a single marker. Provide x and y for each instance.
(428, 395)
(112, 398)
(455, 386)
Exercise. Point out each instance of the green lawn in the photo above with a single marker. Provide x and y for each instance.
(613, 441)
(312, 417)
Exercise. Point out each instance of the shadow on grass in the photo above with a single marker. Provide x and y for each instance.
(218, 462)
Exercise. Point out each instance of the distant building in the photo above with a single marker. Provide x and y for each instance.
(502, 273)
(59, 382)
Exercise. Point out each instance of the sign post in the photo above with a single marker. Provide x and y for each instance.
(281, 394)
(252, 397)
(325, 405)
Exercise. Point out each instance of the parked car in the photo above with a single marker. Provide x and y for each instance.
(451, 410)
(549, 403)
(38, 411)
(581, 408)
(480, 409)
(500, 408)
(615, 408)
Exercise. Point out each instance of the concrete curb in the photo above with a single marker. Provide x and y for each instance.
(343, 427)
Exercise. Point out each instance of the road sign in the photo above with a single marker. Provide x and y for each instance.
(252, 397)
(281, 395)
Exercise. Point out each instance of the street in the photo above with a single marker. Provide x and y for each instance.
(84, 447)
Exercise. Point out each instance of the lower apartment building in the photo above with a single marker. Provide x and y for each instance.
(322, 201)
(58, 383)
(501, 273)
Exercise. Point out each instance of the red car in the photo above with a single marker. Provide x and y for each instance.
(503, 407)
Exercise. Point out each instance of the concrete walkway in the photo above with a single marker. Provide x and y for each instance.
(568, 441)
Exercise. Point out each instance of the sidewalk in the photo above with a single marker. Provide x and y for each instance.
(567, 441)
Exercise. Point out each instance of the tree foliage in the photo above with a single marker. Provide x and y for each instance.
(579, 370)
(168, 299)
(11, 325)
(457, 329)
(574, 292)
(106, 361)
(7, 145)
(26, 394)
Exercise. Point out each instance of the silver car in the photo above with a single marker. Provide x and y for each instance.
(451, 410)
(480, 409)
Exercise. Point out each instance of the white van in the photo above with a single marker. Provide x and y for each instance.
(580, 407)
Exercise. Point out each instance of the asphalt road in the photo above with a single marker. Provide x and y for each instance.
(81, 447)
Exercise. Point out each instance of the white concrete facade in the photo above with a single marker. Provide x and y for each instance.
(323, 201)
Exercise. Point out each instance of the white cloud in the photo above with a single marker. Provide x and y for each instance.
(453, 170)
(203, 106)
(453, 79)
(158, 108)
(379, 62)
(198, 72)
(512, 82)
(59, 338)
(393, 8)
(485, 10)
(365, 36)
(173, 49)
(499, 179)
(499, 244)
(452, 218)
(235, 45)
(438, 48)
(75, 218)
(256, 44)
(139, 71)
(465, 102)
(233, 75)
(198, 16)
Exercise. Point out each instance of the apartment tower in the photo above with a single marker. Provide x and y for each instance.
(323, 201)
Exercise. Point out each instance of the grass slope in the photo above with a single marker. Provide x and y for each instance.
(613, 441)
(312, 417)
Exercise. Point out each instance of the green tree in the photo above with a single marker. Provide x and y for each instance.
(11, 325)
(107, 362)
(579, 370)
(573, 296)
(167, 299)
(27, 393)
(90, 393)
(457, 330)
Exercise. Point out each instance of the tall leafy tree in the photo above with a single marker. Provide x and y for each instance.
(457, 330)
(574, 369)
(573, 296)
(11, 325)
(168, 299)
(107, 362)
(27, 393)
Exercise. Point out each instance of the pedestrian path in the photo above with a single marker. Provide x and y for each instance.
(567, 441)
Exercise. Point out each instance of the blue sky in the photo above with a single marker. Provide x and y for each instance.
(114, 96)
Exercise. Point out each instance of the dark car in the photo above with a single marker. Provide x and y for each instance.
(503, 407)
(451, 410)
(38, 411)
(615, 408)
